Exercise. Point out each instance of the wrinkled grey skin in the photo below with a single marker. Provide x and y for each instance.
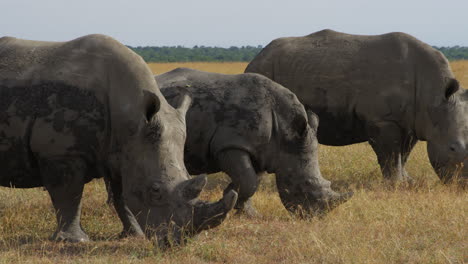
(390, 90)
(87, 108)
(246, 124)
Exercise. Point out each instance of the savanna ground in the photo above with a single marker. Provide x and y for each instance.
(426, 223)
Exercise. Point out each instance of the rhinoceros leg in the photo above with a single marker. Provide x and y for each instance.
(64, 180)
(247, 208)
(386, 140)
(408, 144)
(238, 165)
(129, 222)
(110, 197)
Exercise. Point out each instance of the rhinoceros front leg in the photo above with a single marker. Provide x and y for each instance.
(110, 197)
(408, 144)
(64, 180)
(237, 164)
(129, 222)
(386, 140)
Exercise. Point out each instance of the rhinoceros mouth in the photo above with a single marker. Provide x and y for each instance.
(307, 205)
(205, 215)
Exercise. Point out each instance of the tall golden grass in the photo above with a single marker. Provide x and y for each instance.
(460, 68)
(220, 67)
(426, 223)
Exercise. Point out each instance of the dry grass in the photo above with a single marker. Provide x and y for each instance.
(422, 224)
(460, 68)
(224, 67)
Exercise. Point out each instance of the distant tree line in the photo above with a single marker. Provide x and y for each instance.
(197, 53)
(454, 53)
(244, 53)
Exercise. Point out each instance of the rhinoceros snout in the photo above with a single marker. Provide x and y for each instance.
(311, 206)
(334, 201)
(205, 216)
(328, 203)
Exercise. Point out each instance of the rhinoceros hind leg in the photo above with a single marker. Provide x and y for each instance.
(386, 140)
(238, 165)
(64, 181)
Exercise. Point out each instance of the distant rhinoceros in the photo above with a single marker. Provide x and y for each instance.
(390, 90)
(246, 124)
(87, 108)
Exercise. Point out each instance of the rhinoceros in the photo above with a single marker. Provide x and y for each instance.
(246, 124)
(87, 108)
(390, 90)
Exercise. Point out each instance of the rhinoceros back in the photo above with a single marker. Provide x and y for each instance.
(350, 80)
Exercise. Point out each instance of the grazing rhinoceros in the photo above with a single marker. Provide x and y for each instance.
(87, 108)
(246, 124)
(390, 90)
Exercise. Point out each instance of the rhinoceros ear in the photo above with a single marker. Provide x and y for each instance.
(452, 87)
(151, 104)
(313, 120)
(185, 100)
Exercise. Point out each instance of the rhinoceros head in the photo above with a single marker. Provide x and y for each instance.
(448, 139)
(160, 192)
(300, 184)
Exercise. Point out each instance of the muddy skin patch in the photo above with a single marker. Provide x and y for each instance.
(49, 120)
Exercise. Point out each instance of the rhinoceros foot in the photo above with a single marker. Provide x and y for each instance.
(73, 236)
(131, 234)
(248, 210)
(407, 178)
(400, 183)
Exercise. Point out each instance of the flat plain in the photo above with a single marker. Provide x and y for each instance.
(424, 223)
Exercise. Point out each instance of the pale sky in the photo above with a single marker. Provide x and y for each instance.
(231, 23)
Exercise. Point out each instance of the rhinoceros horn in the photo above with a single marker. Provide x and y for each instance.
(209, 215)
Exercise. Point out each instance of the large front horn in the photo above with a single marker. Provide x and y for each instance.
(209, 215)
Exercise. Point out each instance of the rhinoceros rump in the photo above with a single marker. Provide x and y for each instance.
(246, 124)
(390, 90)
(87, 108)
